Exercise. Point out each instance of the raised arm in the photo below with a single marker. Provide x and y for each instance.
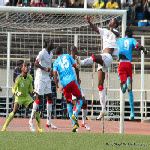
(95, 28)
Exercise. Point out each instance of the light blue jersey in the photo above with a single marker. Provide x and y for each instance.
(63, 64)
(125, 46)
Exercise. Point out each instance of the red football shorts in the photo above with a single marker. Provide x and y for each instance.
(125, 70)
(71, 89)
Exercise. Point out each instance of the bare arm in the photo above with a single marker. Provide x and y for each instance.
(39, 66)
(77, 73)
(95, 28)
(140, 47)
(56, 83)
(117, 34)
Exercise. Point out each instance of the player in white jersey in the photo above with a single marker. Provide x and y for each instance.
(73, 51)
(105, 59)
(42, 81)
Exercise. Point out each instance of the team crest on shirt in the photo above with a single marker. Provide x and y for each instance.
(22, 84)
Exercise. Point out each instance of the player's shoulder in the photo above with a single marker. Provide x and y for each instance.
(29, 76)
(18, 78)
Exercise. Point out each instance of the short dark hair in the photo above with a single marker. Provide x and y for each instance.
(129, 32)
(59, 50)
(20, 62)
(47, 41)
(116, 22)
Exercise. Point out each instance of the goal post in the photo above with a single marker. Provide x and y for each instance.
(37, 23)
(106, 14)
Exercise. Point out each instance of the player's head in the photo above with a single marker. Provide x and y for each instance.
(73, 50)
(129, 32)
(49, 44)
(114, 23)
(24, 67)
(20, 62)
(59, 50)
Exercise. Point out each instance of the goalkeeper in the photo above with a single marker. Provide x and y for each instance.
(23, 86)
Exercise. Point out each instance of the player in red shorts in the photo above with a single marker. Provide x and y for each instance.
(126, 45)
(73, 52)
(63, 65)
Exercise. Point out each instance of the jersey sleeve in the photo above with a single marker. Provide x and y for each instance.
(39, 57)
(31, 85)
(15, 86)
(55, 68)
(135, 43)
(101, 31)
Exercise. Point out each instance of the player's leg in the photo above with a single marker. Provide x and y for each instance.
(35, 109)
(48, 92)
(11, 116)
(129, 86)
(70, 111)
(49, 111)
(67, 93)
(101, 78)
(93, 58)
(84, 115)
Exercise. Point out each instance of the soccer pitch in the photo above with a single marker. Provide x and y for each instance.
(71, 141)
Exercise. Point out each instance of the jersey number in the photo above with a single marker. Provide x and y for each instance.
(64, 63)
(126, 44)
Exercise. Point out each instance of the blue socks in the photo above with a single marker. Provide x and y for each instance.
(131, 102)
(78, 107)
(70, 111)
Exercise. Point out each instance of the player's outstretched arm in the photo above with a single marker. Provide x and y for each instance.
(142, 48)
(95, 28)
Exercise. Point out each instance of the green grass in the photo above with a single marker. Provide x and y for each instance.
(72, 141)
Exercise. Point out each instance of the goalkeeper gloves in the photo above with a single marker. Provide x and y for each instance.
(18, 93)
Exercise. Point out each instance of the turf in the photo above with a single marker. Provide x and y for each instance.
(71, 141)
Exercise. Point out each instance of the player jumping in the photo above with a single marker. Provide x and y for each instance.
(73, 51)
(126, 46)
(23, 86)
(42, 82)
(105, 59)
(63, 64)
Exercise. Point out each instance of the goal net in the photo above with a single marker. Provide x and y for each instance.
(23, 31)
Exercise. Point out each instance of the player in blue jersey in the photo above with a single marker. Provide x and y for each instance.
(63, 65)
(126, 45)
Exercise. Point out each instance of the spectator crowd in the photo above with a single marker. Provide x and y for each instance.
(137, 9)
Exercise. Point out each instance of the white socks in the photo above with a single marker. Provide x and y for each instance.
(49, 110)
(102, 99)
(84, 115)
(34, 109)
(87, 61)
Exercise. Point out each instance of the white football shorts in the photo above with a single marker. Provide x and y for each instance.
(107, 61)
(42, 86)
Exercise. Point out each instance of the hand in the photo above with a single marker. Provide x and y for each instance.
(145, 51)
(60, 90)
(47, 69)
(87, 18)
(18, 93)
(111, 29)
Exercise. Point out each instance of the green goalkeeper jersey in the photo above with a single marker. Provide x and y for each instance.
(23, 85)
